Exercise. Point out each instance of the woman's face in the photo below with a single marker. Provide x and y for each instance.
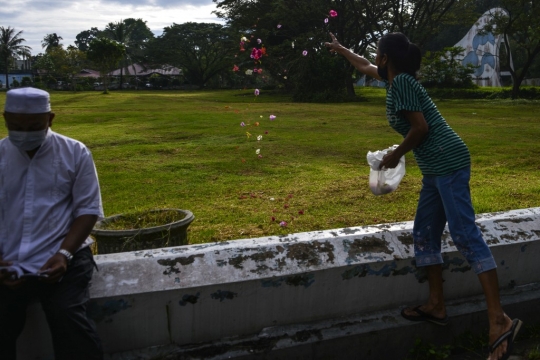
(381, 60)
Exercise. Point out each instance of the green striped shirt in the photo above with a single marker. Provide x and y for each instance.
(442, 151)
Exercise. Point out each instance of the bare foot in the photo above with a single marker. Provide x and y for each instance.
(497, 327)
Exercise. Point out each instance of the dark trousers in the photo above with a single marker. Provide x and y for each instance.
(64, 303)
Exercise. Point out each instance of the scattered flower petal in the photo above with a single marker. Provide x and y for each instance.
(326, 21)
(283, 224)
(272, 117)
(258, 151)
(266, 132)
(259, 41)
(260, 156)
(272, 199)
(333, 13)
(235, 68)
(286, 206)
(256, 53)
(256, 92)
(256, 123)
(301, 212)
(260, 72)
(304, 52)
(248, 134)
(259, 138)
(249, 72)
(242, 124)
(279, 26)
(273, 218)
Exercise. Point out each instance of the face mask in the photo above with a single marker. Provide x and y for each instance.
(383, 73)
(27, 140)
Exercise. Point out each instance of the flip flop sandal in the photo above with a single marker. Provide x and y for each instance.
(423, 316)
(510, 336)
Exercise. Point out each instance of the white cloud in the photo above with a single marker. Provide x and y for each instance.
(37, 18)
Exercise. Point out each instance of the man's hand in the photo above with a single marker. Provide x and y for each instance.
(55, 267)
(9, 278)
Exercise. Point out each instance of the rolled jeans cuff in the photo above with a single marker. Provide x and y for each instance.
(429, 259)
(436, 259)
(484, 265)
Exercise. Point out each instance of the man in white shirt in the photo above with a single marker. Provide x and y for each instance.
(49, 203)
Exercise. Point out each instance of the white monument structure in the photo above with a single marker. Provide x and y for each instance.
(482, 51)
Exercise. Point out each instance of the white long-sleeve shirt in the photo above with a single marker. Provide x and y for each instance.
(40, 197)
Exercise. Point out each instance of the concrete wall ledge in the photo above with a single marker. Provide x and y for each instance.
(204, 293)
(372, 336)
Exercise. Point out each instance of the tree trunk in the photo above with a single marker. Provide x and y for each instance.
(121, 77)
(350, 89)
(7, 79)
(515, 89)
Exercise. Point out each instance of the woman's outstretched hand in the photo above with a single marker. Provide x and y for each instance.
(334, 45)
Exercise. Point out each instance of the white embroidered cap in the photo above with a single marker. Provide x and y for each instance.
(27, 101)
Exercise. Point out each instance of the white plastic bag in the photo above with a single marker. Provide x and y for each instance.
(387, 180)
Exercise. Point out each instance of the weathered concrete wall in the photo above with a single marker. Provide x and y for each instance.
(202, 293)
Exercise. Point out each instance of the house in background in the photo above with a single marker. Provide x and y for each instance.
(139, 76)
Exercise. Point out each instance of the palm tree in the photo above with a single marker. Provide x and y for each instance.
(121, 33)
(51, 41)
(133, 34)
(11, 48)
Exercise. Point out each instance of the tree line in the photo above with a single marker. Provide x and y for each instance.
(288, 41)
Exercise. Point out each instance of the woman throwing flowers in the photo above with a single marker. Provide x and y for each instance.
(444, 161)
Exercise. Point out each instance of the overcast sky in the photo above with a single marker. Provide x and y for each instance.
(67, 18)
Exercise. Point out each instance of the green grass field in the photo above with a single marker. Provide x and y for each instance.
(187, 150)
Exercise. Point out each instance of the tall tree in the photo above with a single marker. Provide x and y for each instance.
(287, 29)
(67, 63)
(11, 48)
(521, 29)
(51, 41)
(133, 34)
(84, 38)
(201, 50)
(421, 20)
(105, 54)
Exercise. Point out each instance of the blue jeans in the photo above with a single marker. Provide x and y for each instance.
(448, 198)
